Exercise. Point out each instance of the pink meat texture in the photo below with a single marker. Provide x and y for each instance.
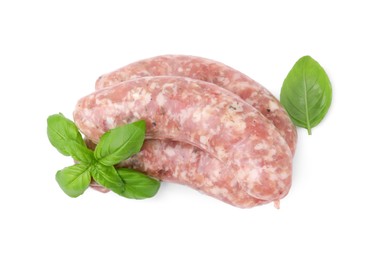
(198, 134)
(214, 72)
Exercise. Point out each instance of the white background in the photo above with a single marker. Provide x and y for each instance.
(52, 52)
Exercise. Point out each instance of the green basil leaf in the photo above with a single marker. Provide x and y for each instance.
(79, 152)
(120, 143)
(306, 93)
(137, 185)
(66, 138)
(108, 177)
(74, 180)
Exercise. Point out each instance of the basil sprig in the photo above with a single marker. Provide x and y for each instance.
(114, 146)
(306, 93)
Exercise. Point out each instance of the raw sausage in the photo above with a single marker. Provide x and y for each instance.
(209, 118)
(214, 72)
(187, 165)
(178, 170)
(205, 117)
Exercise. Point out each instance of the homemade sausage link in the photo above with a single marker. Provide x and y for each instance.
(202, 115)
(214, 72)
(188, 165)
(185, 164)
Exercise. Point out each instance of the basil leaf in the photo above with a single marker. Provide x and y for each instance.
(74, 180)
(80, 153)
(306, 93)
(120, 143)
(65, 137)
(108, 177)
(137, 185)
